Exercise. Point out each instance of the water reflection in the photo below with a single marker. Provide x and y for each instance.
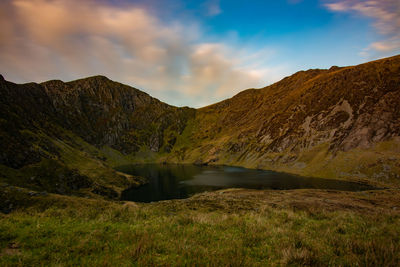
(173, 181)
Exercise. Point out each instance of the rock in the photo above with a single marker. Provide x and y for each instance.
(299, 165)
(154, 143)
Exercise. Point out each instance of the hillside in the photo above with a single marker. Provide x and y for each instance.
(337, 123)
(66, 137)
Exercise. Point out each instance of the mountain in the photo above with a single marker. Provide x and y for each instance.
(52, 133)
(341, 122)
(337, 123)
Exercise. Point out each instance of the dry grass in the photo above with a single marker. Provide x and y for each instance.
(224, 228)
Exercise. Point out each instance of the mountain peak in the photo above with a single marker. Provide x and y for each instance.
(96, 78)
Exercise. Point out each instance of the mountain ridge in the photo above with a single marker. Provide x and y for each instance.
(341, 108)
(341, 122)
(66, 124)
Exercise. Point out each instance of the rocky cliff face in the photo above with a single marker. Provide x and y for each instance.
(100, 111)
(341, 122)
(104, 112)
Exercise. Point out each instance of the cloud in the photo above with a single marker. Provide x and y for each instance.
(340, 6)
(386, 16)
(69, 39)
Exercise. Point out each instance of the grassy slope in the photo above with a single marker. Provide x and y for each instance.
(265, 128)
(229, 228)
(91, 166)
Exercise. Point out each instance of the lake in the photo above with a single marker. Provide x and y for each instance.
(175, 181)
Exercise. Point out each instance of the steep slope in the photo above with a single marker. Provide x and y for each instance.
(341, 122)
(104, 112)
(63, 137)
(336, 123)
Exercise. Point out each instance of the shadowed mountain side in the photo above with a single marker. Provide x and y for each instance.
(104, 112)
(80, 127)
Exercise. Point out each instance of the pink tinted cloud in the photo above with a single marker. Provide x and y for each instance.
(385, 13)
(47, 39)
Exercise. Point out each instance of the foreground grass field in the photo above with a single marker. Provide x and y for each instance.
(224, 228)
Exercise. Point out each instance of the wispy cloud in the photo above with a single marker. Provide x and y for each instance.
(68, 39)
(386, 16)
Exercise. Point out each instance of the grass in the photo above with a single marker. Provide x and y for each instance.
(225, 228)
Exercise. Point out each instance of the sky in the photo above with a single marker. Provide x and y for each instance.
(191, 53)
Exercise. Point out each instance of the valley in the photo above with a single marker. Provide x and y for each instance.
(62, 143)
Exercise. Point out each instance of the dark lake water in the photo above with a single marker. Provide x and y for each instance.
(173, 181)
